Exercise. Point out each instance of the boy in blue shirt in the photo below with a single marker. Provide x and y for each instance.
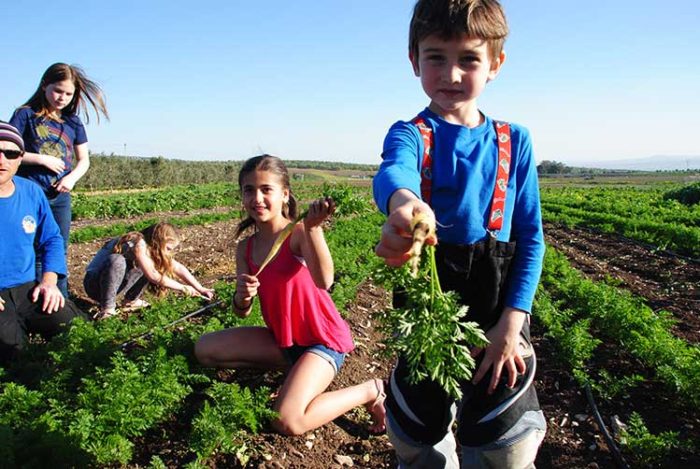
(25, 304)
(477, 178)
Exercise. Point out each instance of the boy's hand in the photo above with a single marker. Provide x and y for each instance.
(397, 238)
(502, 352)
(2, 304)
(319, 210)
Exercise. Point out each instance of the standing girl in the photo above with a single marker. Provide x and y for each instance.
(129, 262)
(304, 332)
(54, 136)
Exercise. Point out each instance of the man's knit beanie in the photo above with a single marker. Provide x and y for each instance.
(9, 133)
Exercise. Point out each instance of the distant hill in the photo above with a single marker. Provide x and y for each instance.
(652, 163)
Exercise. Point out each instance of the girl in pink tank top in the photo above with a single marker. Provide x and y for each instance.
(305, 333)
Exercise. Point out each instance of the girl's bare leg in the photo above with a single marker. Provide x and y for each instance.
(303, 405)
(240, 347)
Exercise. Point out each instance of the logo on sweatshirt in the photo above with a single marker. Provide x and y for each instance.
(29, 224)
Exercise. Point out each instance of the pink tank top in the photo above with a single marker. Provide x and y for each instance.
(294, 308)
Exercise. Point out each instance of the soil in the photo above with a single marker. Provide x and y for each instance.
(573, 438)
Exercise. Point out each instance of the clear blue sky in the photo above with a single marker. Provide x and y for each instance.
(324, 80)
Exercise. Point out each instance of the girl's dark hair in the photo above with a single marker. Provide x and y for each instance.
(86, 91)
(275, 166)
(156, 237)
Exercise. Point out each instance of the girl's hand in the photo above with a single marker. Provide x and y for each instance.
(66, 184)
(246, 287)
(207, 293)
(319, 210)
(189, 290)
(52, 163)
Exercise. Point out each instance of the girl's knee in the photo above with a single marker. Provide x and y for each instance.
(202, 351)
(289, 425)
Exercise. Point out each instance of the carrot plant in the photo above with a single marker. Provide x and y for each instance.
(431, 330)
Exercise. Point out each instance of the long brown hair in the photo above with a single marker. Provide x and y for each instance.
(156, 237)
(86, 91)
(277, 167)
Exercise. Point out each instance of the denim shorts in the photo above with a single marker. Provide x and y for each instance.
(293, 353)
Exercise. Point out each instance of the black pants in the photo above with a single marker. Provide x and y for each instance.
(479, 274)
(22, 316)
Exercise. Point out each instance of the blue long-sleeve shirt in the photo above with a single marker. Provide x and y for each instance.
(26, 217)
(463, 177)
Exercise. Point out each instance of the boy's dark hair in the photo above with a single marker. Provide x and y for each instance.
(449, 19)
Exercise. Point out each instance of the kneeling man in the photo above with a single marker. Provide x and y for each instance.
(27, 305)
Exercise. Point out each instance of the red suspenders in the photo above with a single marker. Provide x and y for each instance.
(498, 200)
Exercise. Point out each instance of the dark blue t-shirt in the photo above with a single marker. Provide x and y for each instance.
(48, 137)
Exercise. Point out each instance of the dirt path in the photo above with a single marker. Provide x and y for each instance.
(573, 439)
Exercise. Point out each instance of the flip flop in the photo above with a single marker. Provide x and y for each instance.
(138, 303)
(104, 314)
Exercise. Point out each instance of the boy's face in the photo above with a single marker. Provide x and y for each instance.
(454, 72)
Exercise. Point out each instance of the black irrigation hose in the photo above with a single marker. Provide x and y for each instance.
(617, 456)
(183, 318)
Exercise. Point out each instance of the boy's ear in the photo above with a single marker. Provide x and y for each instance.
(496, 65)
(414, 63)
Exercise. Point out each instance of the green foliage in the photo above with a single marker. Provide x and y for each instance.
(348, 200)
(129, 204)
(431, 330)
(124, 172)
(647, 448)
(90, 233)
(129, 172)
(222, 422)
(611, 387)
(616, 316)
(641, 214)
(687, 195)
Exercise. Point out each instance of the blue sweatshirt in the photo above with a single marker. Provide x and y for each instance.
(26, 217)
(464, 174)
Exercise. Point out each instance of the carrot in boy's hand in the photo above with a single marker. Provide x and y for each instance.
(422, 228)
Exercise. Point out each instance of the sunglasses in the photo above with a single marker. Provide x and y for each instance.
(12, 154)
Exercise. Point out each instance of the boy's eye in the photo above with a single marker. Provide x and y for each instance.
(435, 58)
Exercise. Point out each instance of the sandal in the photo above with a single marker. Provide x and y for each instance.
(376, 409)
(133, 305)
(104, 314)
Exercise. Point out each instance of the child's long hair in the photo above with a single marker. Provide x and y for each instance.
(86, 91)
(156, 237)
(275, 166)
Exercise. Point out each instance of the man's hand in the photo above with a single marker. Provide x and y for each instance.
(52, 297)
(502, 350)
